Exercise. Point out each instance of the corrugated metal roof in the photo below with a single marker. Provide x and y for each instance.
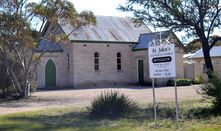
(146, 39)
(107, 28)
(48, 46)
(186, 56)
(214, 52)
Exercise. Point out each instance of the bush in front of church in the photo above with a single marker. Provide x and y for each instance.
(111, 105)
(180, 82)
(212, 90)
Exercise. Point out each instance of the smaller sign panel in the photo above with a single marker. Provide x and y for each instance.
(162, 59)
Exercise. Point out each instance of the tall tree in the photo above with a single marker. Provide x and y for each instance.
(196, 44)
(21, 26)
(198, 18)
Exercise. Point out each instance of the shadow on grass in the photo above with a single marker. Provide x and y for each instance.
(24, 102)
(188, 111)
(46, 121)
(129, 86)
(80, 120)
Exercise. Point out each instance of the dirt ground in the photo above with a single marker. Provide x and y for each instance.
(83, 97)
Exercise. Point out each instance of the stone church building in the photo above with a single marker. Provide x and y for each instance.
(114, 51)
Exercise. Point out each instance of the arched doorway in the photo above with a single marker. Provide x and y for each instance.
(50, 74)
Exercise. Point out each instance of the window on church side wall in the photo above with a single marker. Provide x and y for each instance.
(119, 68)
(96, 61)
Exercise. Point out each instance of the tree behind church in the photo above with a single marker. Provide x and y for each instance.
(21, 27)
(198, 18)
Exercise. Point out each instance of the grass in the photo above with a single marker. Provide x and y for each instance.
(194, 116)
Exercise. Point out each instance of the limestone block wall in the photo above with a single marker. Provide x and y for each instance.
(217, 65)
(75, 65)
(141, 55)
(200, 63)
(57, 58)
(68, 60)
(189, 71)
(60, 60)
(84, 73)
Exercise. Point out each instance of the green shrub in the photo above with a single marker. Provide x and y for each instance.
(33, 87)
(180, 82)
(7, 90)
(146, 83)
(213, 90)
(6, 87)
(170, 82)
(111, 105)
(199, 79)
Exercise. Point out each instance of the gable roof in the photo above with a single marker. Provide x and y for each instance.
(107, 29)
(48, 46)
(214, 52)
(146, 39)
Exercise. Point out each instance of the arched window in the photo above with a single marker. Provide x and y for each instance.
(119, 61)
(96, 61)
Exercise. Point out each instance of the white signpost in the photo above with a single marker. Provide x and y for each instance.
(162, 65)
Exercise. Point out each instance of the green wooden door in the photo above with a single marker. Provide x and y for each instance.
(50, 74)
(140, 71)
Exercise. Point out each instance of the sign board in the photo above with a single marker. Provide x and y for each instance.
(162, 59)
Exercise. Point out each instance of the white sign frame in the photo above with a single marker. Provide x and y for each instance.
(162, 59)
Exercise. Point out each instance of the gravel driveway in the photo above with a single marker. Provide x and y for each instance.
(82, 97)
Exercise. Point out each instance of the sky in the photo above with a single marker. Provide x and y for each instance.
(101, 7)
